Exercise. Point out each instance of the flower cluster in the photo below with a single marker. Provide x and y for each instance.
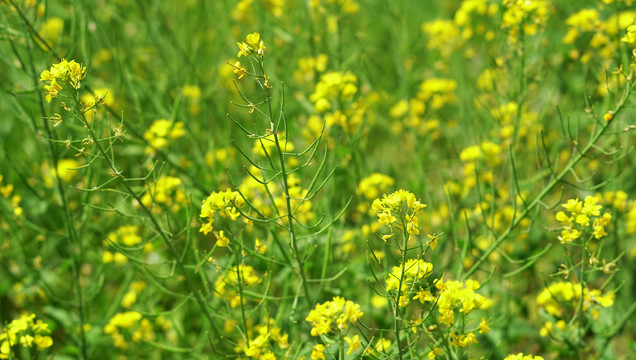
(27, 333)
(318, 352)
(248, 276)
(520, 356)
(62, 73)
(15, 200)
(443, 35)
(309, 66)
(578, 221)
(269, 335)
(337, 312)
(127, 235)
(252, 45)
(129, 322)
(438, 92)
(406, 277)
(130, 298)
(340, 6)
(524, 17)
(333, 86)
(218, 206)
(160, 132)
(561, 297)
(454, 296)
(474, 15)
(166, 192)
(402, 204)
(91, 100)
(374, 185)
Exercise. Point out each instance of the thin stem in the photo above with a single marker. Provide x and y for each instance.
(167, 241)
(396, 311)
(290, 217)
(583, 287)
(74, 243)
(239, 285)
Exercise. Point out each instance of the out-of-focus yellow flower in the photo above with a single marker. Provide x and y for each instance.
(252, 45)
(630, 36)
(520, 356)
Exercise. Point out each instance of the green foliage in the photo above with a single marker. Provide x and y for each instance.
(281, 179)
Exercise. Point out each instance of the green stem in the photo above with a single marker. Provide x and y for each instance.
(290, 218)
(239, 285)
(74, 243)
(396, 310)
(619, 327)
(167, 241)
(583, 287)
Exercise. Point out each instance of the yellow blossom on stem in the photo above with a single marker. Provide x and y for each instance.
(62, 73)
(225, 286)
(520, 356)
(318, 352)
(354, 343)
(252, 44)
(218, 206)
(333, 315)
(561, 297)
(630, 36)
(26, 332)
(239, 70)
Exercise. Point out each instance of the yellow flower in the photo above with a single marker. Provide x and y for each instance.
(354, 343)
(630, 36)
(253, 45)
(64, 72)
(318, 352)
(220, 205)
(520, 356)
(484, 327)
(239, 70)
(338, 312)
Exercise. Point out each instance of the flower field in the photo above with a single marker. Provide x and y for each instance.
(318, 179)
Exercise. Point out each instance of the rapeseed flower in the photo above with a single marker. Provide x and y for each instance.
(130, 323)
(63, 73)
(225, 285)
(354, 343)
(166, 192)
(406, 277)
(630, 36)
(26, 332)
(220, 206)
(580, 217)
(374, 185)
(457, 296)
(161, 132)
(334, 315)
(252, 45)
(318, 352)
(520, 356)
(561, 296)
